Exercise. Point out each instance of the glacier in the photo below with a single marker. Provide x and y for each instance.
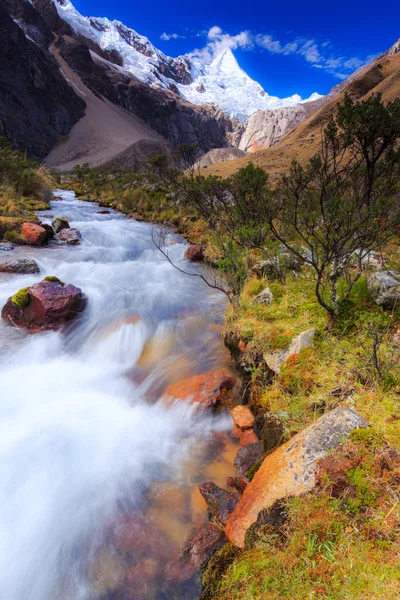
(221, 82)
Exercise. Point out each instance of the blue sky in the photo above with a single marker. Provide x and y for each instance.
(288, 47)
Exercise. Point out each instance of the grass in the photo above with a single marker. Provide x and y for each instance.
(331, 546)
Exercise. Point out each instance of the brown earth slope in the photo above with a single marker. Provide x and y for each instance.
(381, 76)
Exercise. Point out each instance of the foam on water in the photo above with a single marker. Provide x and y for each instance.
(78, 440)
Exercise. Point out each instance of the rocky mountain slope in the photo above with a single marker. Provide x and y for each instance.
(219, 81)
(381, 76)
(52, 76)
(37, 105)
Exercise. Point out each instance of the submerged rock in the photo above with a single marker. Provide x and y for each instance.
(385, 289)
(200, 546)
(104, 211)
(220, 503)
(23, 266)
(33, 235)
(69, 236)
(208, 390)
(47, 305)
(247, 457)
(291, 469)
(195, 253)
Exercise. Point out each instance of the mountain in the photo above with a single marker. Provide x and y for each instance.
(61, 92)
(382, 76)
(221, 82)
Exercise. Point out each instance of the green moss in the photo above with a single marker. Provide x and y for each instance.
(216, 568)
(365, 496)
(54, 279)
(13, 236)
(21, 298)
(253, 470)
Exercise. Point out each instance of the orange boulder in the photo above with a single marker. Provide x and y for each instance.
(242, 417)
(291, 469)
(33, 235)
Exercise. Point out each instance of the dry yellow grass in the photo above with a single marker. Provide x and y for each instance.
(383, 76)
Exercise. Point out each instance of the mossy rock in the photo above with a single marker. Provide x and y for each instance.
(216, 568)
(54, 279)
(60, 223)
(21, 298)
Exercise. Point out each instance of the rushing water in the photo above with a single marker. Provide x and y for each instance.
(86, 446)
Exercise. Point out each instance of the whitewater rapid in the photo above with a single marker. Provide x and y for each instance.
(82, 430)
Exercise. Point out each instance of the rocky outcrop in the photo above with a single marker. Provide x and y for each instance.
(47, 305)
(265, 128)
(21, 266)
(36, 102)
(291, 469)
(33, 235)
(220, 154)
(201, 545)
(176, 120)
(208, 390)
(385, 289)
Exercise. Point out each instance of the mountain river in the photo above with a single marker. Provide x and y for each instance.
(98, 476)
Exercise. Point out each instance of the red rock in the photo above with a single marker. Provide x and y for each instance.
(207, 389)
(51, 305)
(236, 432)
(242, 417)
(195, 253)
(248, 437)
(201, 545)
(32, 234)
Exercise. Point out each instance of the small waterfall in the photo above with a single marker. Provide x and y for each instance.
(84, 438)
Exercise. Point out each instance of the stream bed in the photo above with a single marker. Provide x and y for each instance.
(98, 476)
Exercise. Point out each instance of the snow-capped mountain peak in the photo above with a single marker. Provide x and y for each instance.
(221, 82)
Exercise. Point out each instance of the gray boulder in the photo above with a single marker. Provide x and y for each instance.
(264, 297)
(274, 360)
(69, 236)
(385, 288)
(22, 266)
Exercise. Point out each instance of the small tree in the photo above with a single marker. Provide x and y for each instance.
(345, 202)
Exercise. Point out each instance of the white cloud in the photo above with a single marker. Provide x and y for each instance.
(170, 36)
(218, 41)
(318, 55)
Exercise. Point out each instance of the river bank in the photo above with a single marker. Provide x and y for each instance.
(352, 509)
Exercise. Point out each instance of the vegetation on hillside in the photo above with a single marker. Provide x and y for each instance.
(318, 236)
(25, 187)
